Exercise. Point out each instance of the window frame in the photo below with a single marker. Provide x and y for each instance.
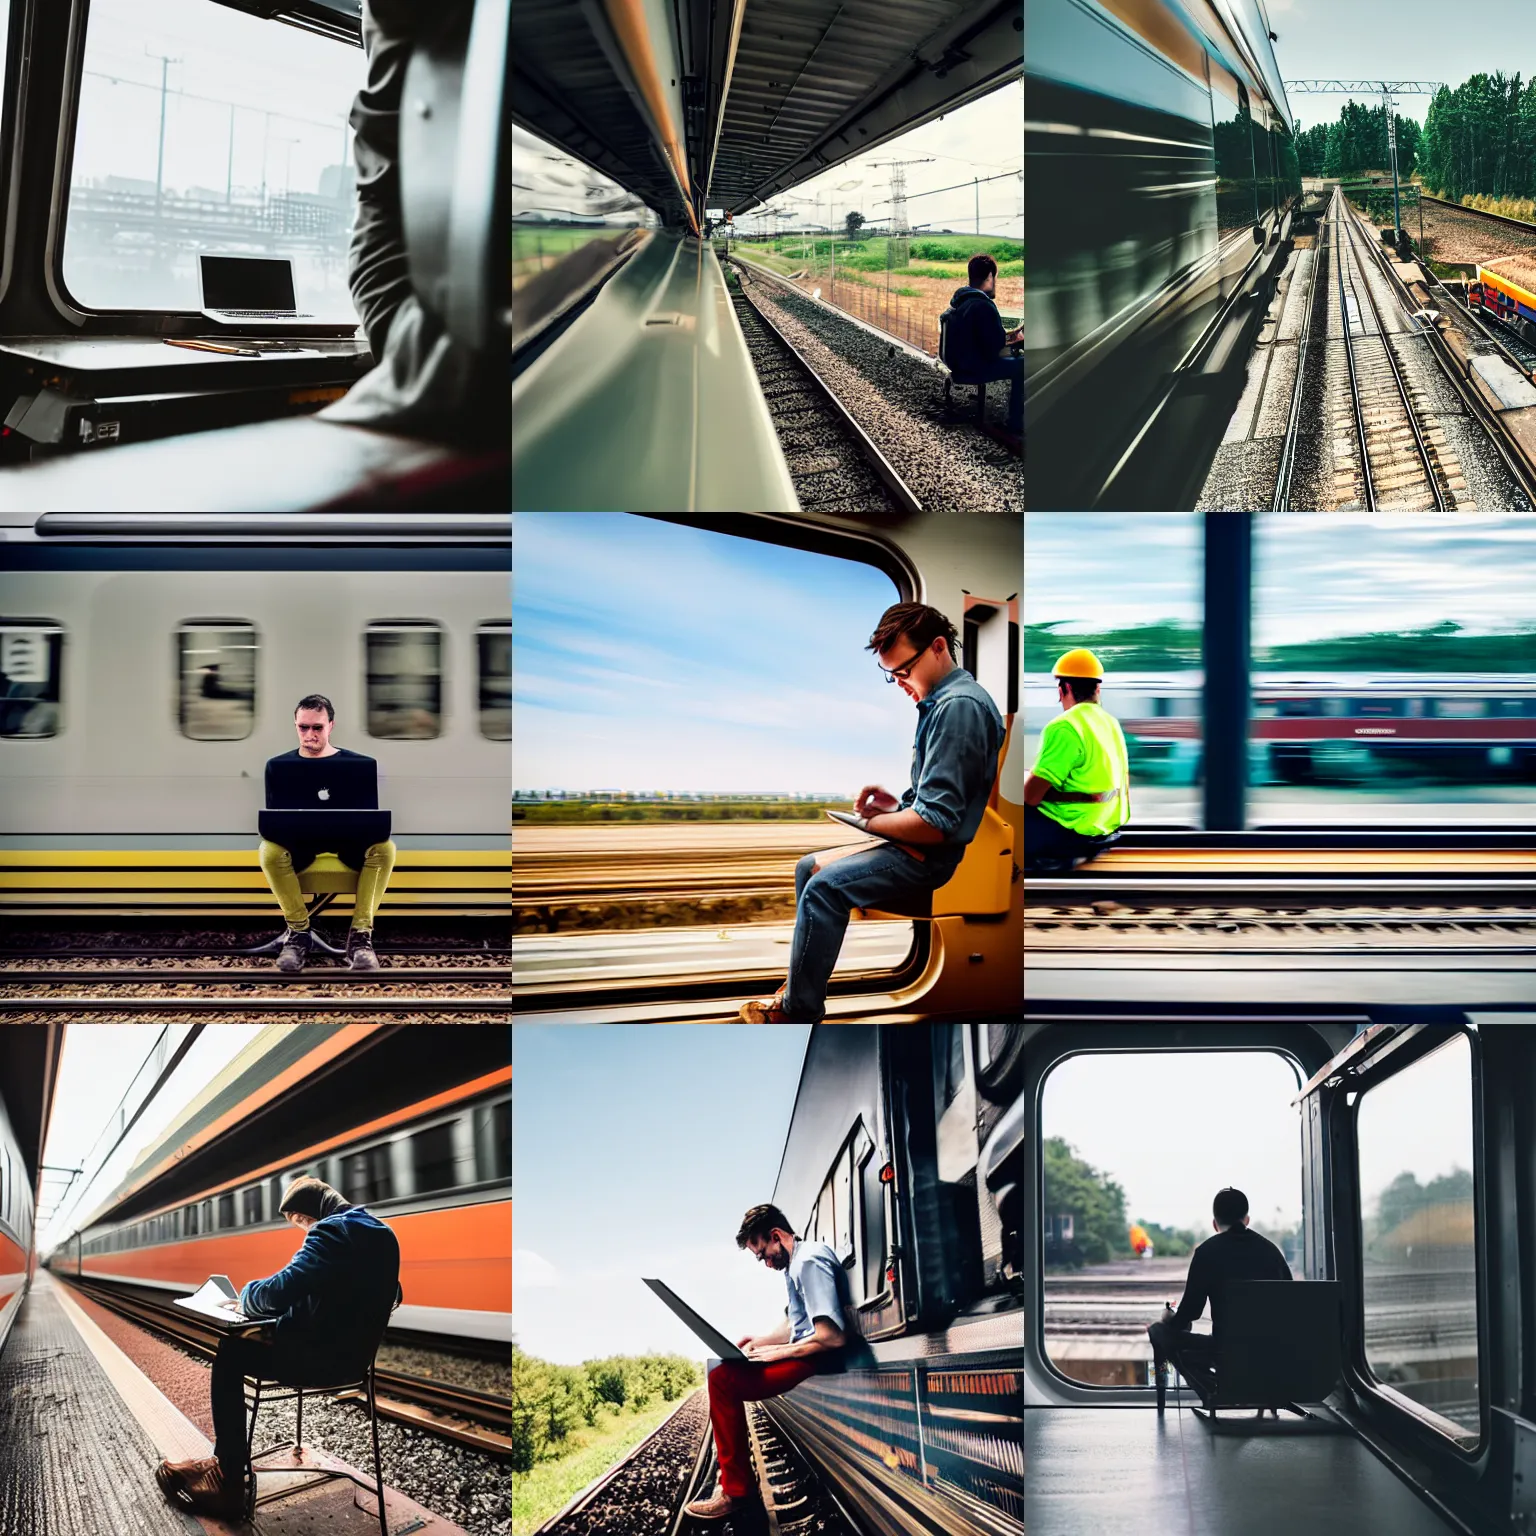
(185, 626)
(50, 628)
(406, 626)
(311, 16)
(489, 627)
(1423, 1422)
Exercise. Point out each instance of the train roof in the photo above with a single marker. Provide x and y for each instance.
(1516, 270)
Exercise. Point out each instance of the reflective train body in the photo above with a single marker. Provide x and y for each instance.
(905, 1155)
(16, 1217)
(1341, 726)
(434, 1162)
(1160, 174)
(143, 688)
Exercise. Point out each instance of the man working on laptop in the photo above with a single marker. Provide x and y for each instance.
(332, 1303)
(313, 719)
(954, 762)
(809, 1340)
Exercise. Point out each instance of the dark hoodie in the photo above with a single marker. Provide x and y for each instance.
(975, 332)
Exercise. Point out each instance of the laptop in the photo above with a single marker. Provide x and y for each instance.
(257, 293)
(323, 803)
(849, 819)
(707, 1332)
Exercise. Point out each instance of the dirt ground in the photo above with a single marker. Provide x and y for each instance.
(1465, 237)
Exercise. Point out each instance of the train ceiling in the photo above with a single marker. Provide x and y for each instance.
(726, 103)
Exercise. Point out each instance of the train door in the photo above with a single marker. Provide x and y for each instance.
(1395, 1174)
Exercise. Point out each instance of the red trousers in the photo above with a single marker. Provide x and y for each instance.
(732, 1384)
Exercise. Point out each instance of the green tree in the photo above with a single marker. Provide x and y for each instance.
(1311, 148)
(1094, 1201)
(853, 221)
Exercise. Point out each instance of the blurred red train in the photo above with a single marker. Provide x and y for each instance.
(413, 1122)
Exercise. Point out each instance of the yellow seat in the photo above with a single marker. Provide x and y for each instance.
(328, 876)
(980, 887)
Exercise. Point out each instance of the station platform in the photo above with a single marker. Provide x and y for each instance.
(1129, 1469)
(82, 1429)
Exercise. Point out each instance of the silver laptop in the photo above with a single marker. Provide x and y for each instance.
(256, 293)
(710, 1335)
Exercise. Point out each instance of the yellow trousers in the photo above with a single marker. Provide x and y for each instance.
(372, 880)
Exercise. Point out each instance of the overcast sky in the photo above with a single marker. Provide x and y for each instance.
(636, 1150)
(1346, 573)
(1173, 1128)
(1395, 40)
(98, 1063)
(652, 655)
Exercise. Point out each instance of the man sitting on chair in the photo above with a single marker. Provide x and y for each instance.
(1235, 1253)
(332, 1303)
(313, 719)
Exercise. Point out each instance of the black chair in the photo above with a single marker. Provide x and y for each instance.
(1279, 1345)
(954, 376)
(290, 1393)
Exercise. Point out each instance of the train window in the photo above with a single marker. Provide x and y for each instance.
(226, 1210)
(404, 667)
(208, 1215)
(1233, 141)
(216, 665)
(493, 1140)
(1439, 632)
(31, 670)
(494, 647)
(204, 129)
(872, 1208)
(365, 1175)
(1418, 1239)
(432, 1159)
(1124, 1212)
(251, 1200)
(189, 1221)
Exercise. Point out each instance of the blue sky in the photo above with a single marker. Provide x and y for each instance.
(1394, 40)
(636, 1149)
(1344, 573)
(652, 655)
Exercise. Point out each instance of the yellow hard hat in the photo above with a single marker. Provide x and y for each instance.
(1078, 664)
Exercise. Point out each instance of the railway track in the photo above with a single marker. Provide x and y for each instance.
(252, 976)
(479, 1420)
(832, 460)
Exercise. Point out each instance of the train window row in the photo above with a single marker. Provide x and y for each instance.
(13, 1206)
(849, 1215)
(216, 665)
(1398, 708)
(460, 1150)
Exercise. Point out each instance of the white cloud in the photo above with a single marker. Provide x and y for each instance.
(530, 1272)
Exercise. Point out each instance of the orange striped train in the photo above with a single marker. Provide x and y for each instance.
(1506, 288)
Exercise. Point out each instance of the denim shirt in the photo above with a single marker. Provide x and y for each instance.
(954, 763)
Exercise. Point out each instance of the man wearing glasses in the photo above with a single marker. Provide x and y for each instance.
(313, 718)
(954, 763)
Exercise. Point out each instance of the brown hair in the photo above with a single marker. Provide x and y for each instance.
(979, 268)
(921, 625)
(1083, 689)
(759, 1222)
(311, 1197)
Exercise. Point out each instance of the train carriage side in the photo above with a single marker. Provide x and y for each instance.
(1161, 172)
(16, 1226)
(143, 693)
(905, 1150)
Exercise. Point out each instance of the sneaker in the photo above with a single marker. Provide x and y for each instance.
(360, 955)
(717, 1506)
(295, 950)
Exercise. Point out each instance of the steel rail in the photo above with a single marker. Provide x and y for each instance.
(1354, 383)
(1397, 372)
(347, 1005)
(905, 498)
(1518, 470)
(486, 1409)
(1288, 451)
(253, 976)
(1435, 489)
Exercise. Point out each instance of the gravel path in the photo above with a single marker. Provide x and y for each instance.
(471, 1489)
(899, 402)
(455, 1370)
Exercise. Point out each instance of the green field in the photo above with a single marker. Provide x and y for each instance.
(935, 256)
(578, 813)
(553, 240)
(551, 1485)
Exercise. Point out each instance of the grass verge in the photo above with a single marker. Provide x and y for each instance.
(551, 1485)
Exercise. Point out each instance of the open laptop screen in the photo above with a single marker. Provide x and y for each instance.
(247, 282)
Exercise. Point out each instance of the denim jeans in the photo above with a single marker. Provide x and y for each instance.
(295, 1362)
(1046, 838)
(822, 903)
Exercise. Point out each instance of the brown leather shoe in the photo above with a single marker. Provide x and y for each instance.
(201, 1487)
(716, 1507)
(768, 1010)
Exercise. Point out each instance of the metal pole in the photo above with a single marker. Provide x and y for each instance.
(165, 64)
(1397, 212)
(229, 167)
(976, 193)
(1225, 646)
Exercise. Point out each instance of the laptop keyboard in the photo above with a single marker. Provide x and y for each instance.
(267, 314)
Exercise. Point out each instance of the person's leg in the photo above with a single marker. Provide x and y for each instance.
(236, 1359)
(277, 866)
(1013, 371)
(372, 881)
(821, 919)
(1048, 845)
(733, 1384)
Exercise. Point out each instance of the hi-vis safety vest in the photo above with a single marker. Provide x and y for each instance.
(1082, 751)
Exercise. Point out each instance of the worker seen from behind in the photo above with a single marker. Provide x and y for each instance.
(1077, 796)
(976, 344)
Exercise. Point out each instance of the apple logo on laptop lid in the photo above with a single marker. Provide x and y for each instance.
(325, 794)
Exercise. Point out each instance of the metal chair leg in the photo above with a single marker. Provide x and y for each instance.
(250, 1439)
(378, 1469)
(298, 1423)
